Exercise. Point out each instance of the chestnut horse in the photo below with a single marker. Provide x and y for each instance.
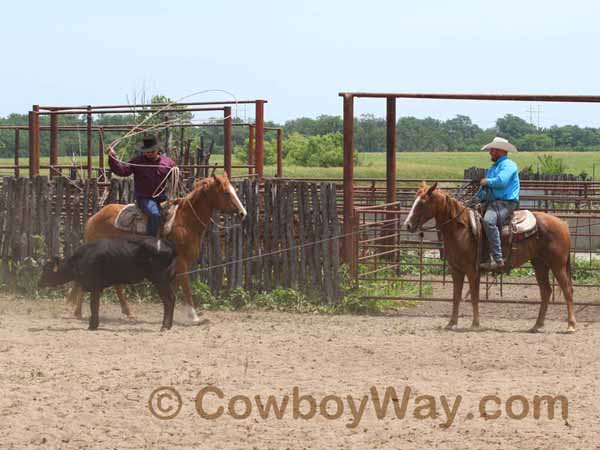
(548, 250)
(192, 218)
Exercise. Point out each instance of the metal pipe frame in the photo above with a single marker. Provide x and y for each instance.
(227, 147)
(89, 110)
(259, 119)
(349, 251)
(494, 97)
(129, 111)
(143, 105)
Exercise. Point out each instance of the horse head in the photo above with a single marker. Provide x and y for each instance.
(221, 195)
(423, 208)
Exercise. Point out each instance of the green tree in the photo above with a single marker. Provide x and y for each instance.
(370, 134)
(531, 142)
(513, 127)
(317, 151)
(459, 132)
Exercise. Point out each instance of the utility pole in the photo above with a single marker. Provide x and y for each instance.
(535, 113)
(531, 111)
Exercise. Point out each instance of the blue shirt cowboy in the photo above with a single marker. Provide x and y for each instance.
(500, 191)
(502, 182)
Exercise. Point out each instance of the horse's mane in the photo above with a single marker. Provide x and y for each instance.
(200, 186)
(457, 209)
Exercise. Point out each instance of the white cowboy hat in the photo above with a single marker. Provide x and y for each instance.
(500, 144)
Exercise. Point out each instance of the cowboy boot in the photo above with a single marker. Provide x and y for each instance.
(493, 266)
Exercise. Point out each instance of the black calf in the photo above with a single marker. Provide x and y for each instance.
(123, 260)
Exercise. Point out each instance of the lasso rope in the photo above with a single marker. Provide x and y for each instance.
(262, 255)
(173, 175)
(162, 125)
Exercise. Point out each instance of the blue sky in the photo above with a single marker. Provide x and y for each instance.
(299, 55)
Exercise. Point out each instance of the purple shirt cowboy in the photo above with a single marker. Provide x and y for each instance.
(150, 170)
(147, 176)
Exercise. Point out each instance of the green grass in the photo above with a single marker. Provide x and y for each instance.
(431, 165)
(427, 165)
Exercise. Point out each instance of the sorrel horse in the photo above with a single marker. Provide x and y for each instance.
(549, 250)
(192, 218)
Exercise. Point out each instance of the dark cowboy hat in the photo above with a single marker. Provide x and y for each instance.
(149, 144)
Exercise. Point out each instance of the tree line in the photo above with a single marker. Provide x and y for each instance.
(456, 134)
(412, 134)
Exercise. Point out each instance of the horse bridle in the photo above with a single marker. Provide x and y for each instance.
(189, 202)
(446, 222)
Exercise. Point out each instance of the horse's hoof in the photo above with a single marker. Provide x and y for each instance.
(536, 329)
(571, 329)
(130, 317)
(192, 315)
(475, 327)
(451, 327)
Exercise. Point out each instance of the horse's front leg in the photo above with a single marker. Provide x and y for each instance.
(474, 283)
(458, 279)
(75, 297)
(183, 280)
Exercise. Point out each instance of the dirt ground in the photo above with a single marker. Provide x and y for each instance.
(62, 386)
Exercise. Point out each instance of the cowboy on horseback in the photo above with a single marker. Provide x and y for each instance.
(499, 192)
(150, 169)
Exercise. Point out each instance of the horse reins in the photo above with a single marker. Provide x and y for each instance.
(446, 222)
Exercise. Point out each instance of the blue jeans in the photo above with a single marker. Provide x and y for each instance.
(495, 216)
(151, 207)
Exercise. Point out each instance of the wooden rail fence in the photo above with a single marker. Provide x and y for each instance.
(289, 239)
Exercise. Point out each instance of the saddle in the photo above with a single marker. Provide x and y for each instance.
(132, 219)
(520, 226)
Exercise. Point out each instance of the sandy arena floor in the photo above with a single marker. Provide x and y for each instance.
(65, 387)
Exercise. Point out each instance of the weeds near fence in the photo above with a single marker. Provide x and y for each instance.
(583, 270)
(586, 270)
(21, 279)
(410, 264)
(291, 300)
